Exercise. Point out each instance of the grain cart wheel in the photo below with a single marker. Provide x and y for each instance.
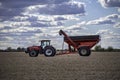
(49, 51)
(84, 51)
(33, 53)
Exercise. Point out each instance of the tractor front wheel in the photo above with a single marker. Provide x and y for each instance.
(49, 51)
(84, 51)
(33, 53)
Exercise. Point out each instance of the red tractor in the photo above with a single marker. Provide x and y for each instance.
(45, 48)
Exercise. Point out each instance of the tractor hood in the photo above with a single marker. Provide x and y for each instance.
(28, 49)
(32, 46)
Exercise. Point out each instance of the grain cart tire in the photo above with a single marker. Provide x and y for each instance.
(33, 53)
(84, 51)
(49, 51)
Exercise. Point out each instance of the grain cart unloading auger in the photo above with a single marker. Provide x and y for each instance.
(82, 44)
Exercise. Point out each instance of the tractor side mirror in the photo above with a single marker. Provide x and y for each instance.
(60, 32)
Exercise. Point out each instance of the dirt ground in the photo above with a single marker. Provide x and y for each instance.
(98, 66)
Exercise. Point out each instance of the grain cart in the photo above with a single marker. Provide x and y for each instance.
(45, 48)
(82, 44)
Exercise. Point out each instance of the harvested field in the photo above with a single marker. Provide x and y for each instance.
(98, 66)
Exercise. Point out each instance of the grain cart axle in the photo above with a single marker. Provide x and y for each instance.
(82, 44)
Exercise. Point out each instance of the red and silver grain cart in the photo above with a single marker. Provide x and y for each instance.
(82, 44)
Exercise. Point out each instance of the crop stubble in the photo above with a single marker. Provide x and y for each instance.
(98, 66)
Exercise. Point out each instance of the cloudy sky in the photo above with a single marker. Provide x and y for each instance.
(25, 22)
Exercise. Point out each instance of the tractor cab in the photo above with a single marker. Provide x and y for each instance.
(45, 43)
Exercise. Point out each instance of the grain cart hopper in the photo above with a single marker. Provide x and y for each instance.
(82, 44)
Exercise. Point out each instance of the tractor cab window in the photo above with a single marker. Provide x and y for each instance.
(45, 43)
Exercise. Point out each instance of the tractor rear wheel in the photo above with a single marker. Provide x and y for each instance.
(33, 53)
(84, 51)
(49, 51)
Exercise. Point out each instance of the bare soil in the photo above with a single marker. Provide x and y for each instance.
(98, 66)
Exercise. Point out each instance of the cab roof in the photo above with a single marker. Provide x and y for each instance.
(44, 40)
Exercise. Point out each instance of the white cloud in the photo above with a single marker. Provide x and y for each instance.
(35, 20)
(56, 23)
(113, 16)
(6, 38)
(102, 31)
(42, 19)
(65, 17)
(110, 3)
(103, 3)
(57, 9)
(14, 24)
(24, 3)
(20, 18)
(108, 34)
(25, 23)
(110, 19)
(117, 25)
(1, 25)
(23, 26)
(100, 21)
(48, 18)
(109, 38)
(22, 30)
(119, 10)
(78, 26)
